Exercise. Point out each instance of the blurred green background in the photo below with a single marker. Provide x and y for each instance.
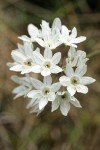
(20, 130)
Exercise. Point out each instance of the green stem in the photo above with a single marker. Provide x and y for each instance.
(93, 54)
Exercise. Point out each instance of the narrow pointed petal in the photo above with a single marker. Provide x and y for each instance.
(56, 86)
(47, 53)
(65, 30)
(36, 83)
(51, 96)
(65, 107)
(55, 105)
(40, 42)
(33, 93)
(69, 70)
(43, 102)
(38, 57)
(75, 102)
(45, 72)
(81, 70)
(25, 38)
(36, 68)
(47, 80)
(56, 69)
(56, 24)
(64, 80)
(87, 80)
(74, 33)
(18, 56)
(33, 31)
(56, 58)
(79, 39)
(82, 89)
(16, 68)
(71, 90)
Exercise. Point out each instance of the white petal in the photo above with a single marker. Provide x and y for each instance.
(40, 42)
(64, 80)
(55, 44)
(79, 39)
(47, 53)
(33, 93)
(36, 68)
(81, 70)
(56, 24)
(25, 38)
(69, 70)
(87, 80)
(81, 89)
(33, 31)
(75, 102)
(45, 72)
(51, 96)
(65, 107)
(71, 52)
(47, 80)
(71, 90)
(38, 57)
(55, 87)
(16, 68)
(26, 70)
(36, 83)
(43, 102)
(17, 56)
(56, 58)
(74, 33)
(65, 30)
(55, 105)
(56, 69)
(28, 49)
(31, 102)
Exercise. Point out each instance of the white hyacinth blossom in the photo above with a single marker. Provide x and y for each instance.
(46, 37)
(75, 81)
(44, 91)
(23, 58)
(24, 86)
(76, 57)
(47, 64)
(63, 100)
(70, 37)
(62, 76)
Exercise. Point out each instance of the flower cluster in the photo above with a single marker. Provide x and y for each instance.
(62, 76)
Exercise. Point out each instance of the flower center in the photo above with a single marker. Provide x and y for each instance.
(28, 62)
(49, 42)
(46, 91)
(47, 64)
(72, 59)
(64, 96)
(74, 80)
(68, 39)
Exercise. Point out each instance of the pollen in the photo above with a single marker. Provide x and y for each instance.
(47, 65)
(28, 62)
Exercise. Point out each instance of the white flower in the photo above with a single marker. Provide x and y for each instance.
(24, 86)
(63, 100)
(74, 80)
(49, 37)
(47, 64)
(76, 57)
(34, 33)
(70, 37)
(44, 92)
(25, 38)
(23, 58)
(34, 106)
